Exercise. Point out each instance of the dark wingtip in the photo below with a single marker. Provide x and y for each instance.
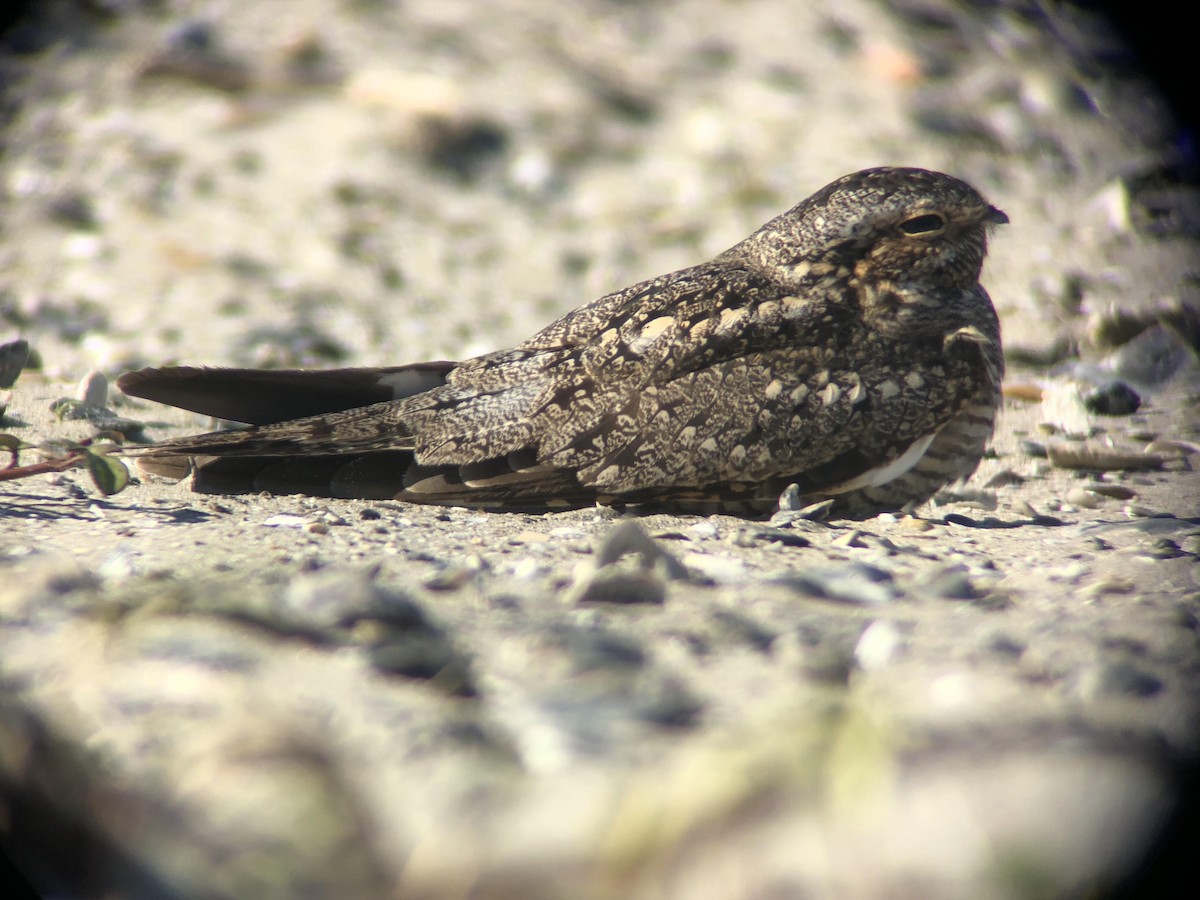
(127, 382)
(135, 382)
(269, 396)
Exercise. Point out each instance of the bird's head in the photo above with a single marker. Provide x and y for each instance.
(903, 241)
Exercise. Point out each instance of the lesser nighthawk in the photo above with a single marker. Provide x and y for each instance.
(846, 346)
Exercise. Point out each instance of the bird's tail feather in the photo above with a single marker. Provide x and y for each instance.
(269, 396)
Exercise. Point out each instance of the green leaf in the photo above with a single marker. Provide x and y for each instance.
(110, 475)
(12, 443)
(63, 406)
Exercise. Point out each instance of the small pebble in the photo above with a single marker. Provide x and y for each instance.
(322, 599)
(790, 500)
(93, 390)
(566, 532)
(851, 539)
(1116, 491)
(1026, 508)
(1125, 678)
(1005, 478)
(452, 577)
(527, 569)
(850, 583)
(831, 663)
(1110, 584)
(754, 535)
(814, 512)
(951, 583)
(1004, 645)
(1023, 391)
(425, 656)
(1163, 548)
(953, 691)
(667, 702)
(986, 501)
(1170, 447)
(594, 648)
(1153, 357)
(1113, 399)
(628, 537)
(13, 357)
(1098, 457)
(740, 626)
(1036, 449)
(74, 209)
(1043, 666)
(878, 645)
(192, 35)
(286, 520)
(82, 246)
(612, 585)
(1083, 498)
(720, 569)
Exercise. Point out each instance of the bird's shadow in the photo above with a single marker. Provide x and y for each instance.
(39, 507)
(1150, 524)
(991, 522)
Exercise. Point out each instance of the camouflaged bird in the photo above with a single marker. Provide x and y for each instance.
(846, 346)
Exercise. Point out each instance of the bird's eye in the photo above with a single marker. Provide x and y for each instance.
(926, 224)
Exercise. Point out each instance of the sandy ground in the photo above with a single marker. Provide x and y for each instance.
(286, 697)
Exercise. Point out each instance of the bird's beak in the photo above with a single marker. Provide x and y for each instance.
(995, 216)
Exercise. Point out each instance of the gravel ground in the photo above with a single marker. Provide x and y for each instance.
(285, 697)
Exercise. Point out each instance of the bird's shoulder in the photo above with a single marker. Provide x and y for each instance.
(688, 319)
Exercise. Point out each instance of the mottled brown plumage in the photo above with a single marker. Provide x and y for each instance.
(846, 346)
